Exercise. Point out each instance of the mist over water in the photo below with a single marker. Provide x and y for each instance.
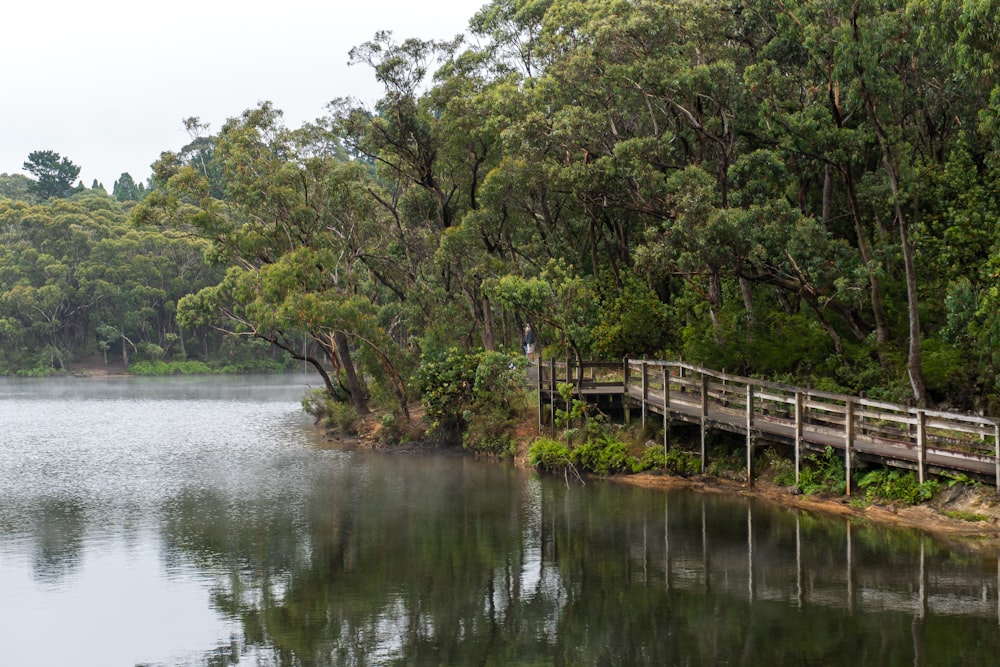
(203, 521)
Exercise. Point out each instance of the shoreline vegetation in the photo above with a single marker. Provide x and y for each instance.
(962, 509)
(806, 196)
(965, 509)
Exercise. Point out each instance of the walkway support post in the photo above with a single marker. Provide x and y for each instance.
(538, 387)
(666, 409)
(625, 397)
(750, 434)
(552, 394)
(704, 416)
(645, 394)
(996, 445)
(848, 441)
(921, 445)
(799, 404)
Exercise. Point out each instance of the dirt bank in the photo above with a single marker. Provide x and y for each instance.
(932, 517)
(970, 513)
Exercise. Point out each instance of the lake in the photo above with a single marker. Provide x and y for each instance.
(204, 521)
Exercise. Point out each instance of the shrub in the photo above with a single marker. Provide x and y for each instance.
(823, 473)
(651, 459)
(150, 368)
(680, 462)
(472, 397)
(603, 455)
(897, 487)
(328, 411)
(549, 455)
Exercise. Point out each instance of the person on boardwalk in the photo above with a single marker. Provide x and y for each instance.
(529, 342)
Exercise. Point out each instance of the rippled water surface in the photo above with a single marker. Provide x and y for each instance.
(202, 521)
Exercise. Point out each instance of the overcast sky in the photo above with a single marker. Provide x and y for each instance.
(108, 83)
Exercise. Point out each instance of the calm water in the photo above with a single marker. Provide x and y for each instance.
(202, 522)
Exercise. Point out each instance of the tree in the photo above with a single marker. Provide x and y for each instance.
(16, 187)
(55, 174)
(125, 189)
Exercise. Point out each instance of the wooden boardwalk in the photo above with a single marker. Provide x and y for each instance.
(856, 428)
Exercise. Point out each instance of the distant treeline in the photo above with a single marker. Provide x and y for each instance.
(800, 190)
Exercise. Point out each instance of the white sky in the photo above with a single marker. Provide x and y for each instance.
(107, 83)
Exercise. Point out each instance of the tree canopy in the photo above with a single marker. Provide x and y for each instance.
(804, 190)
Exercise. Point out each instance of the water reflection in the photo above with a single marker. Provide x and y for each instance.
(219, 532)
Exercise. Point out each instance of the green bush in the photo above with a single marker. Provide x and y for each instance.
(897, 487)
(823, 473)
(603, 455)
(652, 458)
(549, 455)
(329, 411)
(781, 469)
(472, 397)
(151, 368)
(680, 462)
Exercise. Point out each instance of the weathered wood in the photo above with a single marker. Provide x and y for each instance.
(848, 441)
(996, 457)
(666, 410)
(894, 434)
(750, 434)
(645, 393)
(798, 435)
(921, 446)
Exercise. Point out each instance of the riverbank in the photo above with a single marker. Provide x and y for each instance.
(968, 512)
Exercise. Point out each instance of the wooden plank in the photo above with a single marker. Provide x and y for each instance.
(921, 446)
(848, 442)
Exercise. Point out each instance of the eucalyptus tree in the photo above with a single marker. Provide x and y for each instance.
(301, 235)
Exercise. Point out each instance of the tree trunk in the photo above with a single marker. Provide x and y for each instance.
(489, 342)
(343, 351)
(914, 365)
(882, 336)
(747, 293)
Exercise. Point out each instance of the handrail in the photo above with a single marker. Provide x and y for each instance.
(850, 424)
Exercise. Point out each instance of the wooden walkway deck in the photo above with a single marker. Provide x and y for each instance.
(926, 441)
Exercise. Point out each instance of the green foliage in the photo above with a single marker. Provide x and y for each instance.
(897, 487)
(954, 478)
(679, 462)
(328, 411)
(54, 174)
(169, 368)
(972, 517)
(823, 473)
(632, 322)
(472, 398)
(707, 192)
(604, 455)
(652, 458)
(549, 455)
(781, 469)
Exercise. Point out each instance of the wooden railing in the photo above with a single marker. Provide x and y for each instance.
(853, 426)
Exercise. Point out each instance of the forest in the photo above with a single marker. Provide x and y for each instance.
(799, 190)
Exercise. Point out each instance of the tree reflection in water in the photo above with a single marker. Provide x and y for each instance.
(446, 561)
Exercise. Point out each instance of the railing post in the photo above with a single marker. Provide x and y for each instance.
(704, 395)
(645, 393)
(749, 434)
(996, 445)
(552, 394)
(848, 441)
(626, 396)
(704, 417)
(921, 444)
(539, 371)
(799, 403)
(666, 409)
